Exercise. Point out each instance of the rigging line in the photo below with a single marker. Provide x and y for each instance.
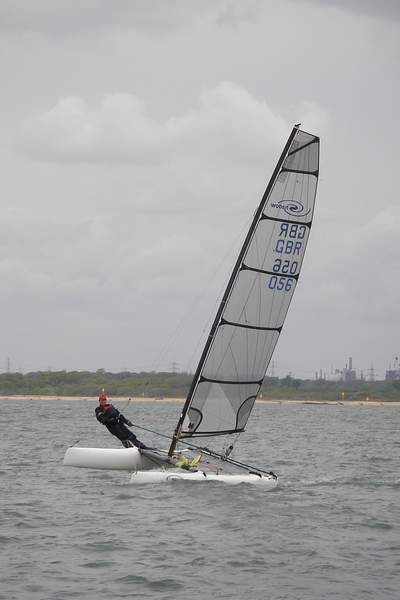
(222, 322)
(152, 431)
(257, 247)
(239, 325)
(228, 291)
(176, 332)
(254, 237)
(201, 337)
(267, 251)
(158, 463)
(217, 301)
(254, 282)
(230, 445)
(232, 461)
(207, 451)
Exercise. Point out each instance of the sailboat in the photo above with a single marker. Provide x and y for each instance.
(242, 338)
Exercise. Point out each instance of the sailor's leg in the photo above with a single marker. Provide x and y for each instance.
(127, 444)
(135, 442)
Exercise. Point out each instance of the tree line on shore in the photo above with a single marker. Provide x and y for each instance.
(176, 385)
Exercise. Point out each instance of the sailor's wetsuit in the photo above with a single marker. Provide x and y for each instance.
(115, 422)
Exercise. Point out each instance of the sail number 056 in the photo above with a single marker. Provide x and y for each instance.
(280, 283)
(285, 266)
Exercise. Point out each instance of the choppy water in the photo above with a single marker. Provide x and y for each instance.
(331, 530)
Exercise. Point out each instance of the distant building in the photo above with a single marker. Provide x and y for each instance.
(393, 373)
(335, 375)
(348, 373)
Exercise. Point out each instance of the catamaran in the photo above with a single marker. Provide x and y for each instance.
(241, 341)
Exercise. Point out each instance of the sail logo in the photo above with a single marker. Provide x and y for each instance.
(294, 208)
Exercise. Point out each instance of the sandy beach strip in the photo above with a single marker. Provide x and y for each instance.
(90, 398)
(369, 402)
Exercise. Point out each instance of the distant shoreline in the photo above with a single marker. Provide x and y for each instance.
(181, 400)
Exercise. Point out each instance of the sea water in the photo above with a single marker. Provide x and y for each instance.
(330, 530)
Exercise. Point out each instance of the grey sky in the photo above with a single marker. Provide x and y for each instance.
(387, 9)
(137, 139)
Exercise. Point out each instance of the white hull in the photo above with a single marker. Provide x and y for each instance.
(116, 459)
(141, 477)
(152, 467)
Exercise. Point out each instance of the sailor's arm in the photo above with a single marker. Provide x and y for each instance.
(124, 420)
(111, 416)
(99, 415)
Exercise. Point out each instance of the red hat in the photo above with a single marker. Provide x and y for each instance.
(102, 396)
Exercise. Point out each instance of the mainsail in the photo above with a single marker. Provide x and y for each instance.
(255, 303)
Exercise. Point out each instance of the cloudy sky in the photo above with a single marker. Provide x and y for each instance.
(137, 140)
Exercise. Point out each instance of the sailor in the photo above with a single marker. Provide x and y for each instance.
(115, 422)
(183, 462)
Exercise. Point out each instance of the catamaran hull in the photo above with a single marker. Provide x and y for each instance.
(150, 466)
(115, 459)
(142, 477)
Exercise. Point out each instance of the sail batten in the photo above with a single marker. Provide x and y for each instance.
(234, 382)
(300, 147)
(315, 173)
(245, 326)
(255, 303)
(282, 220)
(280, 273)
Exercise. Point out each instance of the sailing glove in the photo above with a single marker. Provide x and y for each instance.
(129, 423)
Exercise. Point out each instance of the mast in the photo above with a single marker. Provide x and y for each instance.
(228, 290)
